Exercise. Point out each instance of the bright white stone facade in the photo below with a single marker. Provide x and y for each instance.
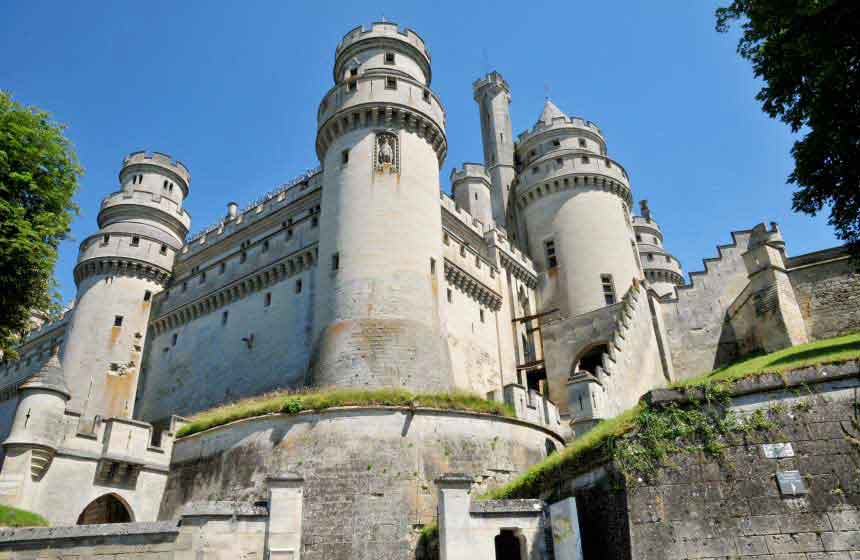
(533, 281)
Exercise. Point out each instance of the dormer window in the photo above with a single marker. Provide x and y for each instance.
(389, 58)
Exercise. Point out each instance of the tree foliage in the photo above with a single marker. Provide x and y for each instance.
(807, 52)
(39, 175)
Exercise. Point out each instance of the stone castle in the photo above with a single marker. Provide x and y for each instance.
(532, 284)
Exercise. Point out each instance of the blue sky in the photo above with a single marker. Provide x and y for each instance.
(232, 90)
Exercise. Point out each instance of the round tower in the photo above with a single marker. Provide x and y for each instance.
(381, 141)
(471, 189)
(37, 428)
(662, 270)
(120, 267)
(574, 207)
(493, 96)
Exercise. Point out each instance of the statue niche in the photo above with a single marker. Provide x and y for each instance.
(386, 153)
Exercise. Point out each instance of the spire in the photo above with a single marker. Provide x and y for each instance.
(550, 112)
(50, 377)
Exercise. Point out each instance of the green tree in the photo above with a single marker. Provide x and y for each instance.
(807, 52)
(39, 175)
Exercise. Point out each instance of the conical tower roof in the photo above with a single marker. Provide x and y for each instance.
(50, 377)
(550, 112)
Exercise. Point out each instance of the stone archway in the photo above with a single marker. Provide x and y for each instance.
(109, 508)
(508, 545)
(592, 357)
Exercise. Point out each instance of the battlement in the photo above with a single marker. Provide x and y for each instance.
(166, 161)
(492, 80)
(470, 170)
(383, 30)
(267, 204)
(559, 123)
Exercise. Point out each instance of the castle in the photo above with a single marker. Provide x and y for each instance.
(532, 284)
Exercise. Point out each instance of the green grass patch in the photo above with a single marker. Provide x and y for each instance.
(14, 517)
(819, 352)
(286, 402)
(642, 439)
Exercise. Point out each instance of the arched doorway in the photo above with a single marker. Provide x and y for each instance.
(592, 358)
(106, 509)
(508, 546)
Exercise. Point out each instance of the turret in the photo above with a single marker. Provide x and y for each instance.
(381, 141)
(470, 187)
(574, 203)
(494, 104)
(662, 270)
(38, 427)
(119, 269)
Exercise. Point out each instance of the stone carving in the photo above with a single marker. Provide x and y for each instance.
(386, 153)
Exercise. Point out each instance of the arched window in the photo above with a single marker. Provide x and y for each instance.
(106, 509)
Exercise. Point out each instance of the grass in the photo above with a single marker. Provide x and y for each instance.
(14, 517)
(814, 353)
(286, 402)
(641, 439)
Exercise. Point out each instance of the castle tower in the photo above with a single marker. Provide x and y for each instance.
(662, 270)
(470, 187)
(120, 267)
(494, 103)
(381, 141)
(575, 204)
(37, 431)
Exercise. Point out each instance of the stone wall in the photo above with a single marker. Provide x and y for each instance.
(368, 472)
(827, 288)
(695, 319)
(790, 493)
(209, 530)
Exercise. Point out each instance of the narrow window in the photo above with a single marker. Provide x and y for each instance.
(224, 316)
(549, 250)
(147, 295)
(344, 157)
(268, 300)
(351, 86)
(243, 257)
(582, 142)
(535, 169)
(203, 277)
(585, 160)
(390, 83)
(170, 187)
(427, 96)
(432, 265)
(482, 315)
(556, 143)
(608, 163)
(463, 250)
(446, 239)
(221, 268)
(315, 221)
(163, 250)
(450, 296)
(389, 58)
(265, 245)
(289, 234)
(650, 256)
(174, 339)
(477, 261)
(117, 321)
(165, 185)
(298, 286)
(559, 162)
(135, 241)
(608, 288)
(353, 72)
(476, 196)
(638, 238)
(105, 239)
(335, 261)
